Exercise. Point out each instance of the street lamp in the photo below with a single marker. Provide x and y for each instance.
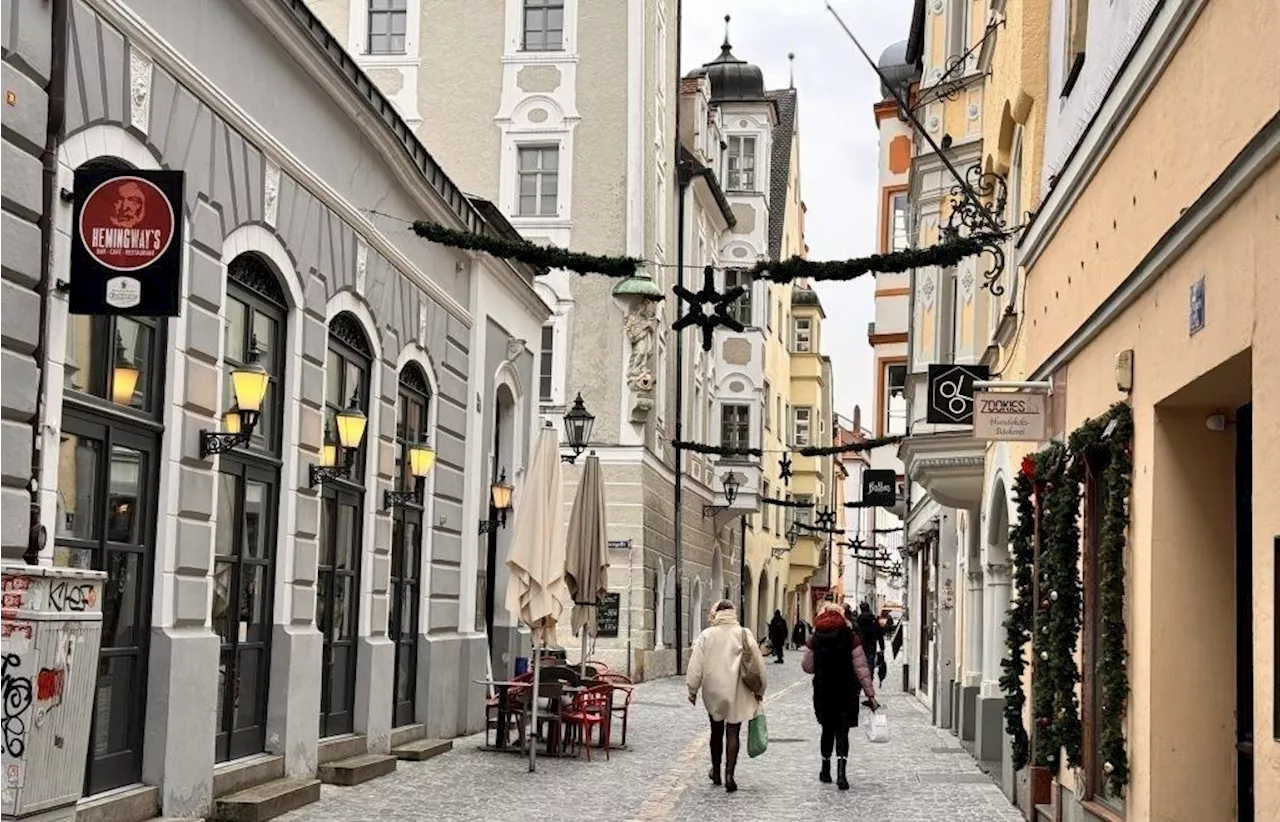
(249, 383)
(792, 535)
(731, 483)
(336, 459)
(577, 429)
(499, 504)
(420, 457)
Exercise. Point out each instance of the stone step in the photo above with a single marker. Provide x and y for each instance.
(229, 777)
(136, 803)
(356, 769)
(421, 749)
(266, 801)
(1044, 813)
(407, 733)
(345, 746)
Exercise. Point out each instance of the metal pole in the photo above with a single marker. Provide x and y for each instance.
(679, 427)
(742, 572)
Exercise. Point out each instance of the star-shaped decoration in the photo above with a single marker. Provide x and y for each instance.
(826, 518)
(712, 307)
(784, 469)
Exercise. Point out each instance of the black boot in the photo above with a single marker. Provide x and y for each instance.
(824, 775)
(714, 775)
(842, 779)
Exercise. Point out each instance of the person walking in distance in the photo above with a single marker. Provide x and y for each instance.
(839, 667)
(777, 635)
(728, 669)
(872, 635)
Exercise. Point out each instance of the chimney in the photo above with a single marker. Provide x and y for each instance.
(857, 419)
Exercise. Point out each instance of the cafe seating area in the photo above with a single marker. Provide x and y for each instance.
(577, 709)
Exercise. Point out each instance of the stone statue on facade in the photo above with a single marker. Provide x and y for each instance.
(641, 327)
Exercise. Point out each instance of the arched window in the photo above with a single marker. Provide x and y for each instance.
(412, 423)
(412, 420)
(346, 379)
(256, 311)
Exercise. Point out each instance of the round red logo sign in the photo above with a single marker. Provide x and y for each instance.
(126, 223)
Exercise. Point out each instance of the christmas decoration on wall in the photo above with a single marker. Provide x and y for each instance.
(712, 308)
(1017, 624)
(826, 518)
(543, 258)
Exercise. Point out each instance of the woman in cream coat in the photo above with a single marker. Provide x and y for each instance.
(729, 670)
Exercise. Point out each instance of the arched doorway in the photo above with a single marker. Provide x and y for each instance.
(718, 588)
(745, 604)
(762, 605)
(669, 608)
(492, 572)
(996, 593)
(695, 610)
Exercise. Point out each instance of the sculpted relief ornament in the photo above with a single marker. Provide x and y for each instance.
(641, 327)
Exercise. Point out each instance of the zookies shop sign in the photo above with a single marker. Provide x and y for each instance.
(126, 246)
(1009, 416)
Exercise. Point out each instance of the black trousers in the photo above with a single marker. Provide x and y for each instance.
(725, 741)
(835, 735)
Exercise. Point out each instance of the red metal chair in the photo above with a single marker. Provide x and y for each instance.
(589, 709)
(621, 683)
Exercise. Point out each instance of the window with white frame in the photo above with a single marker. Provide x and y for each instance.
(539, 189)
(768, 402)
(735, 426)
(766, 514)
(959, 24)
(1077, 35)
(740, 171)
(895, 399)
(804, 509)
(388, 23)
(546, 365)
(740, 310)
(802, 335)
(900, 231)
(543, 25)
(801, 426)
(660, 382)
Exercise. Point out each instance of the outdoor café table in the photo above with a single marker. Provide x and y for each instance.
(502, 688)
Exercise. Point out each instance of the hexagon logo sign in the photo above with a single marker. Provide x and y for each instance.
(950, 396)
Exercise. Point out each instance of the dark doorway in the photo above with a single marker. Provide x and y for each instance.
(406, 560)
(926, 613)
(1244, 614)
(106, 521)
(337, 603)
(241, 608)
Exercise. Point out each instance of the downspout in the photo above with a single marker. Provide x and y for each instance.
(49, 160)
(678, 493)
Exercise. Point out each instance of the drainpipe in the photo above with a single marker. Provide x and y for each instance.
(678, 494)
(49, 161)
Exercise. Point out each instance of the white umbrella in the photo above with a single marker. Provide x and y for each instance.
(536, 590)
(587, 553)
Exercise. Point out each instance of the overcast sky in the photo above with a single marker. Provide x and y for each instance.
(838, 140)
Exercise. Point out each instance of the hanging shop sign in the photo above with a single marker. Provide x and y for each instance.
(126, 246)
(950, 399)
(1010, 416)
(880, 487)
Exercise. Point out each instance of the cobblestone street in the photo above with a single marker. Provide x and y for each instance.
(921, 775)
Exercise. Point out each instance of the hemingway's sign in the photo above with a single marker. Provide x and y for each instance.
(126, 249)
(1009, 416)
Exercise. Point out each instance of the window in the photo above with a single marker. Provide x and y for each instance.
(255, 318)
(101, 350)
(543, 25)
(801, 426)
(741, 308)
(766, 514)
(782, 319)
(900, 237)
(546, 364)
(778, 408)
(802, 335)
(346, 378)
(959, 33)
(1077, 36)
(539, 181)
(895, 399)
(741, 172)
(735, 426)
(768, 402)
(388, 20)
(412, 421)
(803, 513)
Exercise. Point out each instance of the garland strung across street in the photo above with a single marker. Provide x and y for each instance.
(807, 451)
(541, 257)
(786, 503)
(1049, 487)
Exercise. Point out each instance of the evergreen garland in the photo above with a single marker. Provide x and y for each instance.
(1019, 621)
(785, 503)
(1061, 594)
(943, 255)
(543, 258)
(807, 451)
(1049, 474)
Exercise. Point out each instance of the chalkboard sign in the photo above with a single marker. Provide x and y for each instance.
(607, 614)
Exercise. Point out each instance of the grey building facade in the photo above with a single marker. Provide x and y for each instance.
(250, 610)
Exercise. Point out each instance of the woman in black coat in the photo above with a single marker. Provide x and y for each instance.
(840, 671)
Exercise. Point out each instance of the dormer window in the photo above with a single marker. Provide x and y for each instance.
(740, 174)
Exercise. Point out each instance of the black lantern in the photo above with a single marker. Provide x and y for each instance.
(731, 485)
(577, 429)
(336, 459)
(792, 535)
(249, 383)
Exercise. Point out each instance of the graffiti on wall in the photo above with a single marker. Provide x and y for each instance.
(17, 704)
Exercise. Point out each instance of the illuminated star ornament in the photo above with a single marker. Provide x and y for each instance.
(708, 308)
(784, 469)
(826, 518)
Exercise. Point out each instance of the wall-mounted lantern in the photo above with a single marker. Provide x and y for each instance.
(337, 458)
(124, 375)
(577, 430)
(499, 504)
(249, 384)
(420, 457)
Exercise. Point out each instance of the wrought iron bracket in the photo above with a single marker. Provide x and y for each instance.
(218, 442)
(779, 553)
(978, 209)
(328, 473)
(399, 499)
(712, 510)
(952, 81)
(490, 525)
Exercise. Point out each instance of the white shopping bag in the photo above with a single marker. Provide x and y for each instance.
(878, 730)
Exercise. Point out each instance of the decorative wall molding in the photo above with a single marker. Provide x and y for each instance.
(140, 66)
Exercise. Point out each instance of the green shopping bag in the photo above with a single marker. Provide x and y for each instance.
(757, 735)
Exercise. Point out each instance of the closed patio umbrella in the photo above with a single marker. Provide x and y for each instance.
(587, 553)
(536, 590)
